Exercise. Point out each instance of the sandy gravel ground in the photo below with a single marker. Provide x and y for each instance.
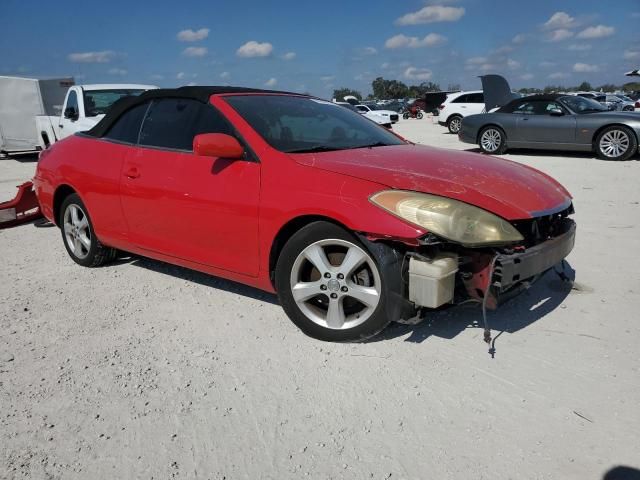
(144, 370)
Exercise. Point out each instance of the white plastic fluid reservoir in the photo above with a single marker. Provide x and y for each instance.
(432, 282)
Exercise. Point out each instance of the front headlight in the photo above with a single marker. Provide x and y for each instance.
(451, 219)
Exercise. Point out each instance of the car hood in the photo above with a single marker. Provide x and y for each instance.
(505, 188)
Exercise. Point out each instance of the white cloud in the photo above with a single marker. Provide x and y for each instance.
(585, 68)
(385, 65)
(104, 56)
(289, 56)
(181, 75)
(156, 76)
(504, 49)
(195, 51)
(560, 20)
(599, 31)
(369, 51)
(559, 35)
(402, 41)
(558, 75)
(579, 47)
(225, 75)
(431, 14)
(189, 35)
(328, 78)
(635, 14)
(272, 82)
(476, 60)
(117, 71)
(413, 73)
(191, 84)
(512, 64)
(255, 49)
(631, 54)
(519, 39)
(546, 64)
(526, 76)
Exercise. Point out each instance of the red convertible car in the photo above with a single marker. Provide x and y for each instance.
(351, 225)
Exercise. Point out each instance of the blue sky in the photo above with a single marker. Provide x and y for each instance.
(316, 46)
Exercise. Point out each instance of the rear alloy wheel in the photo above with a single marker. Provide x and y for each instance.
(454, 123)
(492, 140)
(330, 285)
(616, 143)
(79, 237)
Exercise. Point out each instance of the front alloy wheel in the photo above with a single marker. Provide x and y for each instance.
(331, 286)
(336, 284)
(454, 124)
(616, 143)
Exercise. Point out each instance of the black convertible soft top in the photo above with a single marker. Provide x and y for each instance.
(200, 93)
(509, 107)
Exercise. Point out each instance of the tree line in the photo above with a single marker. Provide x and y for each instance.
(389, 89)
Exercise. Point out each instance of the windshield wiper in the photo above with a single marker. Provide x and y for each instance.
(316, 148)
(371, 145)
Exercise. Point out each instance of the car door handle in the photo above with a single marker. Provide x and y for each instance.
(132, 173)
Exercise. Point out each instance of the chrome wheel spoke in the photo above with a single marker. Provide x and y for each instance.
(352, 260)
(365, 295)
(84, 240)
(303, 291)
(315, 254)
(335, 314)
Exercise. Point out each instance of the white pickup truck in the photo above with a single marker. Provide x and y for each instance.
(84, 106)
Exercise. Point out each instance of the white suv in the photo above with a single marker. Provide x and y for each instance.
(459, 105)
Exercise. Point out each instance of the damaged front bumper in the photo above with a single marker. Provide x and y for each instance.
(446, 274)
(23, 208)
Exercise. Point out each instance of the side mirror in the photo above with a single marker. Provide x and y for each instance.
(217, 145)
(71, 113)
(556, 112)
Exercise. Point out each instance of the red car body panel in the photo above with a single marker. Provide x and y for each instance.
(222, 217)
(508, 189)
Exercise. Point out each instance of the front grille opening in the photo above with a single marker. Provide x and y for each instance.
(540, 229)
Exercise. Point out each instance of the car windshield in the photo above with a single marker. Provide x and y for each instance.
(624, 97)
(293, 124)
(97, 102)
(582, 105)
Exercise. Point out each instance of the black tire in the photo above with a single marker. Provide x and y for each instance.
(388, 262)
(96, 253)
(495, 132)
(419, 116)
(624, 134)
(405, 115)
(454, 122)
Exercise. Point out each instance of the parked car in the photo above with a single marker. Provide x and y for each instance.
(555, 122)
(351, 225)
(382, 117)
(84, 106)
(459, 105)
(21, 99)
(626, 104)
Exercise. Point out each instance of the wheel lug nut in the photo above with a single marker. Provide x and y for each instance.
(344, 289)
(334, 295)
(327, 275)
(340, 276)
(323, 287)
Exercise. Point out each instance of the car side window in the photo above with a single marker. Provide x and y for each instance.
(362, 109)
(549, 106)
(475, 98)
(173, 122)
(127, 127)
(461, 99)
(525, 108)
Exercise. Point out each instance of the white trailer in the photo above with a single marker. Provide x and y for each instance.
(21, 99)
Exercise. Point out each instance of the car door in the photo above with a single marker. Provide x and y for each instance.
(537, 122)
(70, 117)
(196, 208)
